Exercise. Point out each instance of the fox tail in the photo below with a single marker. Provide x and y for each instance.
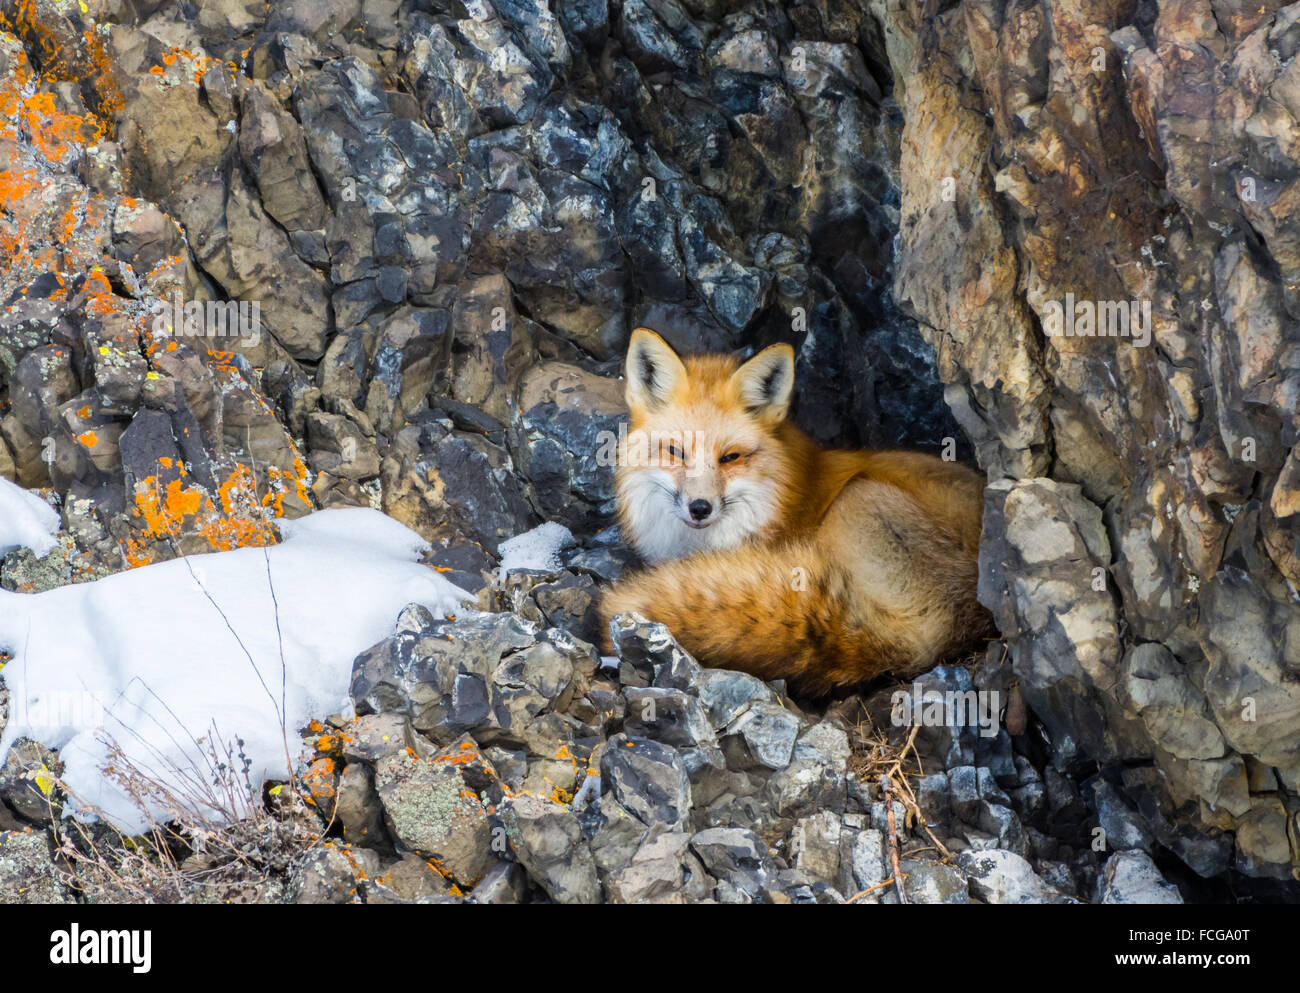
(778, 611)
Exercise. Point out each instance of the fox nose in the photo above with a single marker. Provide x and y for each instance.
(700, 509)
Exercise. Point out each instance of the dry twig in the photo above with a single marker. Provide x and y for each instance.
(886, 785)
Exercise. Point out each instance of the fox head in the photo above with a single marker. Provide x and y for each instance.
(704, 465)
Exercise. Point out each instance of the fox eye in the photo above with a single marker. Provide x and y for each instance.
(674, 452)
(729, 457)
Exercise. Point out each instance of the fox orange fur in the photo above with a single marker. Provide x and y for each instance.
(775, 556)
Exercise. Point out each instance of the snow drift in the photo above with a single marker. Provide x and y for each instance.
(156, 670)
(536, 549)
(26, 521)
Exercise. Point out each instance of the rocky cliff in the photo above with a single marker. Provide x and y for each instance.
(1058, 239)
(1141, 529)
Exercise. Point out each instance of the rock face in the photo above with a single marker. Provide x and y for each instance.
(263, 259)
(1141, 528)
(397, 270)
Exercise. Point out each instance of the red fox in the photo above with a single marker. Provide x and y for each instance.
(775, 556)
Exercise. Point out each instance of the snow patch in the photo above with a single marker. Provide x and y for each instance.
(536, 549)
(26, 521)
(173, 662)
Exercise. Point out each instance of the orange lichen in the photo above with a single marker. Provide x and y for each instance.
(319, 782)
(224, 361)
(189, 65)
(167, 511)
(281, 484)
(68, 225)
(165, 507)
(19, 194)
(57, 135)
(163, 264)
(15, 187)
(100, 298)
(84, 61)
(240, 523)
(39, 224)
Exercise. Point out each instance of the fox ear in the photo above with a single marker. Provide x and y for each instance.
(653, 370)
(766, 383)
